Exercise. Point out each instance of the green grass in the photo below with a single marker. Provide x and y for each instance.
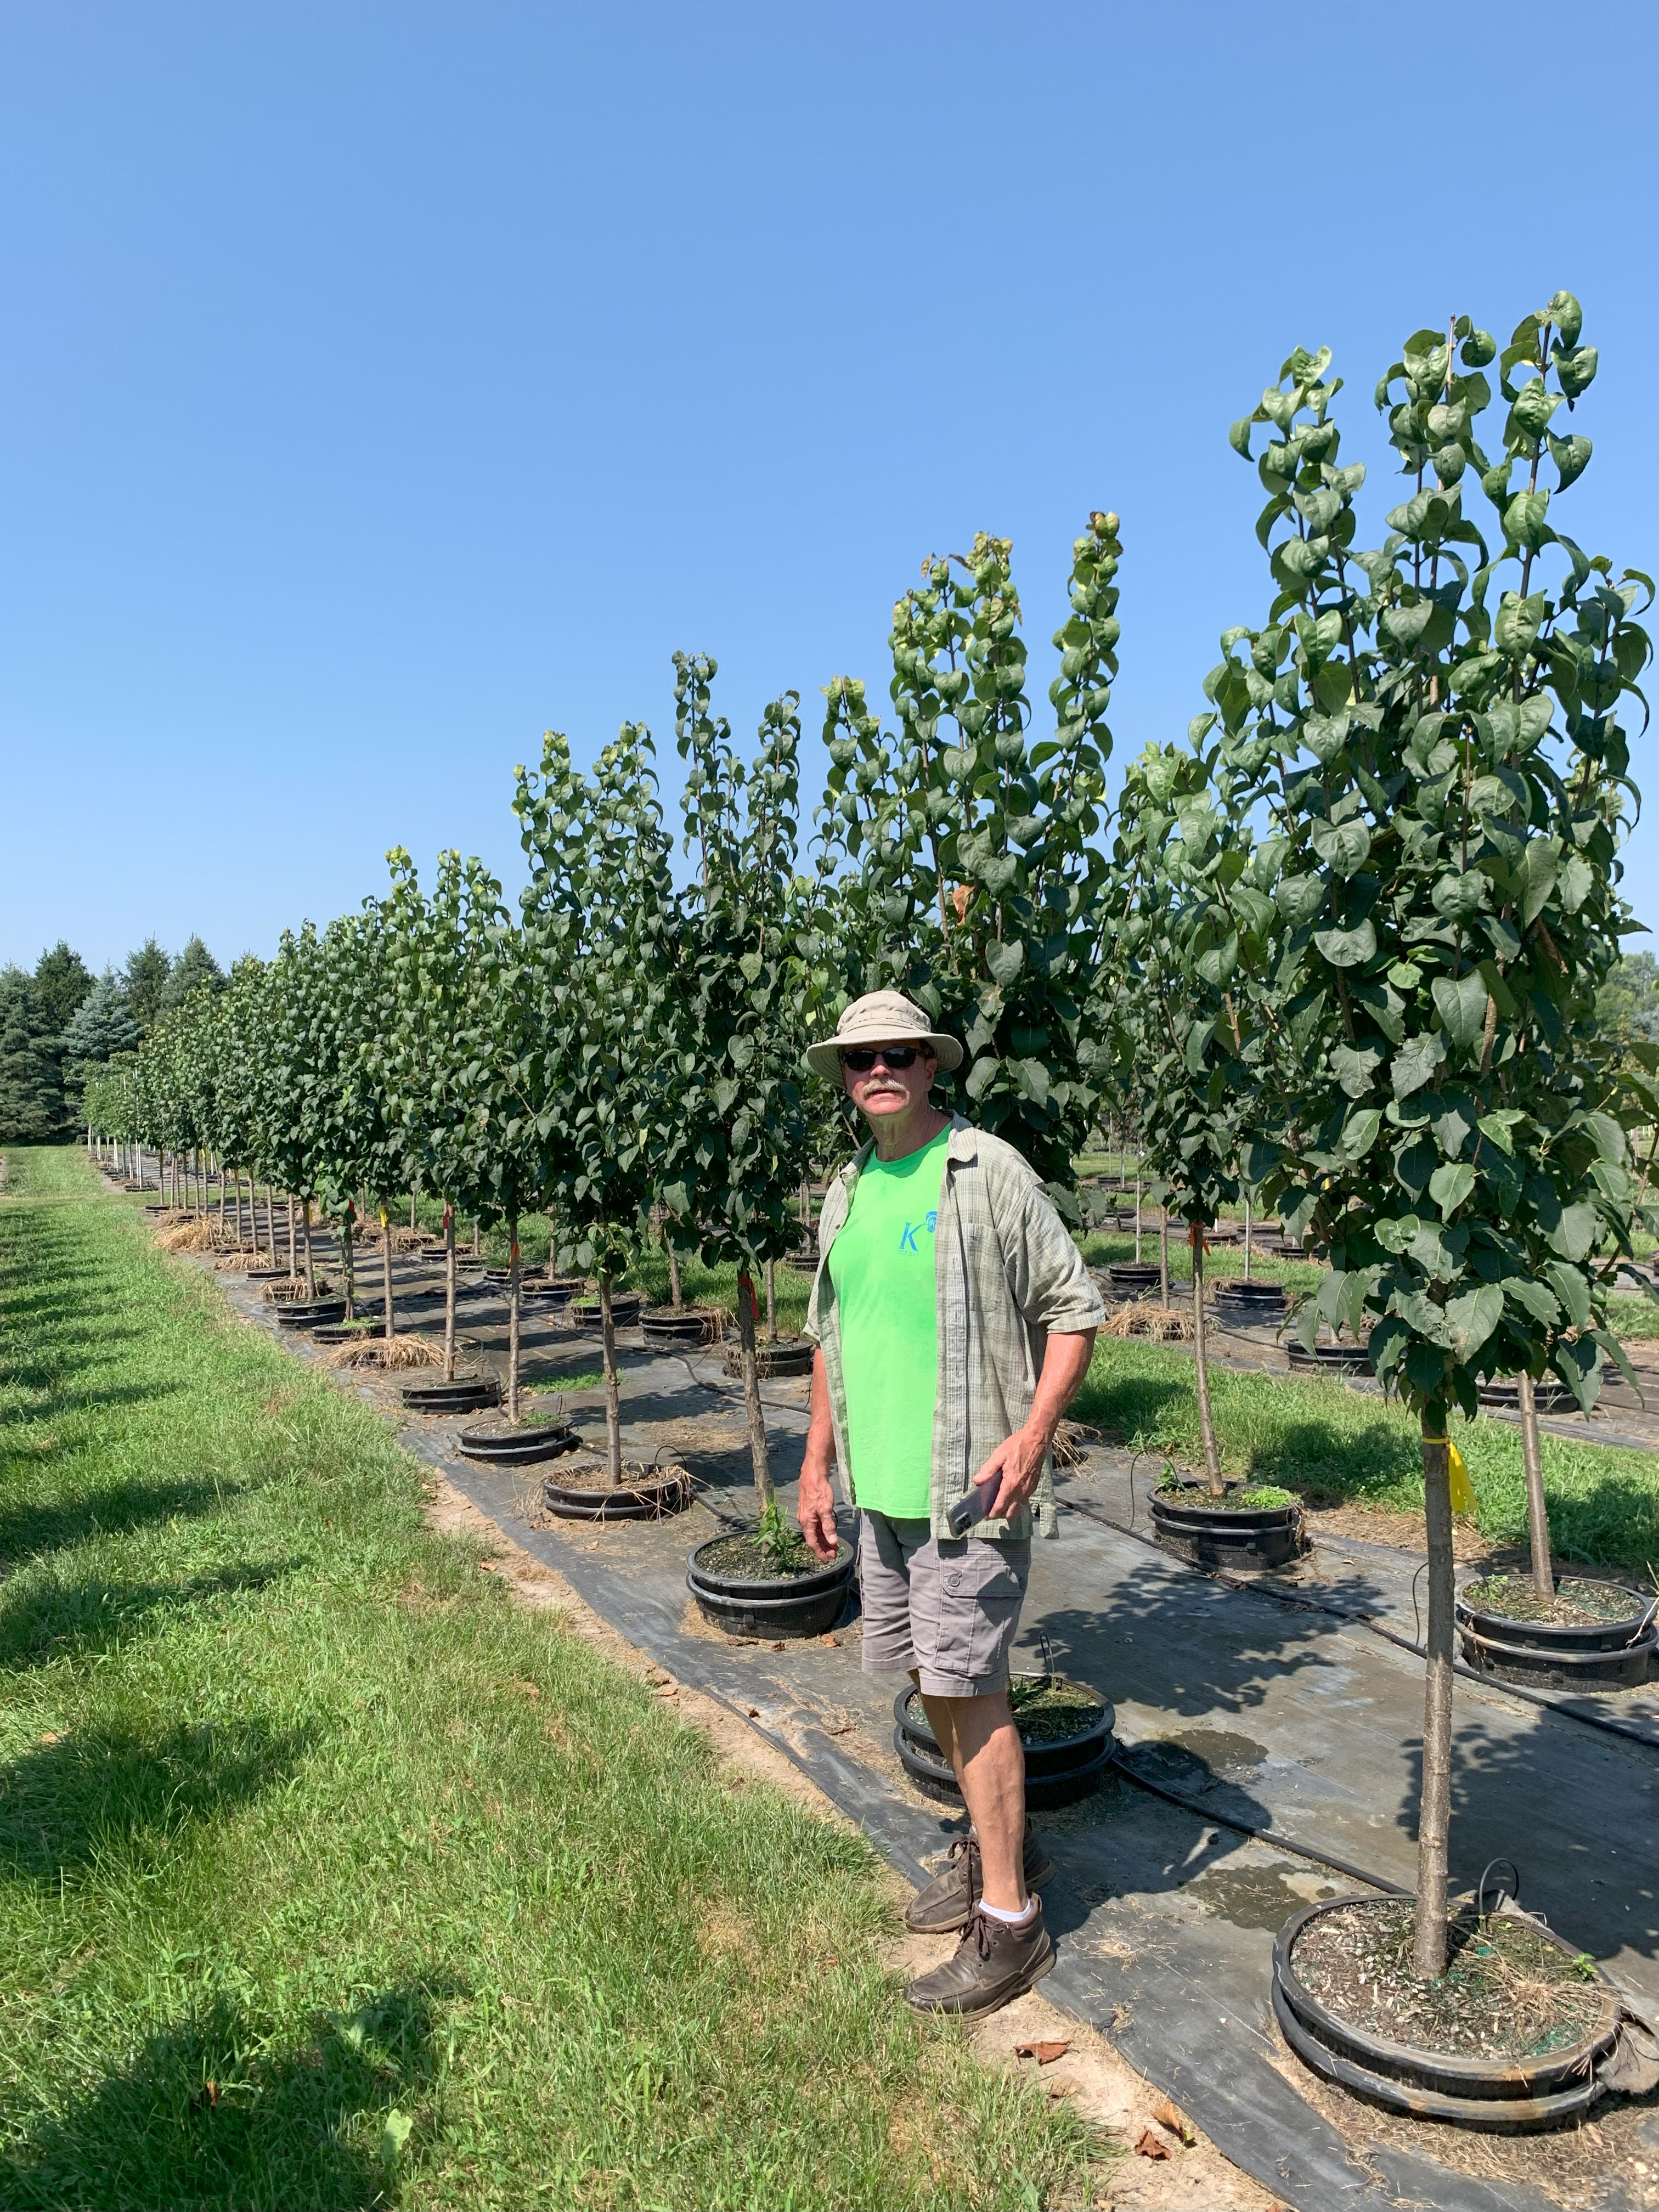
(1328, 1442)
(331, 1878)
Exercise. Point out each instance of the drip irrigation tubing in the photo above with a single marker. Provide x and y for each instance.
(1262, 1835)
(1255, 1586)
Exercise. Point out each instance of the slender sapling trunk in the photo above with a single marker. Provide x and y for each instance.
(349, 1260)
(513, 1321)
(676, 1295)
(449, 1294)
(1247, 1240)
(290, 1236)
(311, 1266)
(1164, 1256)
(1201, 1364)
(1538, 1519)
(771, 1302)
(612, 1388)
(478, 1237)
(1434, 1808)
(1137, 1220)
(752, 1396)
(386, 1272)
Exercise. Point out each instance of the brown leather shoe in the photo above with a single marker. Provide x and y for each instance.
(993, 1964)
(944, 1904)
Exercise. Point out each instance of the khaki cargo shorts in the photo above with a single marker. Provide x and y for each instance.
(949, 1608)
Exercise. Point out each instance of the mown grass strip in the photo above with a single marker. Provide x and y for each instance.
(1331, 1444)
(330, 1879)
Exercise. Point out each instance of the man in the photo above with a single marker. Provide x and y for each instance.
(954, 1319)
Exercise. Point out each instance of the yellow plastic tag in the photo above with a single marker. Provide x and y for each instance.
(1462, 1490)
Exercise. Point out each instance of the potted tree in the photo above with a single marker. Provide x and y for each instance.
(599, 923)
(1435, 727)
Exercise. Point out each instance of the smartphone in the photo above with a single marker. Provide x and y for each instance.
(974, 1507)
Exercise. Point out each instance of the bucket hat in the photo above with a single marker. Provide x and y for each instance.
(881, 1018)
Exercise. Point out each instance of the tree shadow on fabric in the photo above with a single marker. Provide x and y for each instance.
(210, 2113)
(61, 1617)
(111, 1795)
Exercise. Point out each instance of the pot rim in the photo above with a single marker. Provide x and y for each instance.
(1474, 1617)
(1497, 2074)
(768, 1589)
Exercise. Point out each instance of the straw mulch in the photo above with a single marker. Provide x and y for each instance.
(1163, 1324)
(387, 1351)
(190, 1235)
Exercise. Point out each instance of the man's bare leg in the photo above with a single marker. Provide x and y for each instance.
(979, 1738)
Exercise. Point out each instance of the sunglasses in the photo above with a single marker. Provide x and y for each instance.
(891, 1055)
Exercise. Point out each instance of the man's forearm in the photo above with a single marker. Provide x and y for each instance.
(820, 1429)
(1065, 1364)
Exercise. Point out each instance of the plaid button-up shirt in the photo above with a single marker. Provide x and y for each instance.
(1007, 1274)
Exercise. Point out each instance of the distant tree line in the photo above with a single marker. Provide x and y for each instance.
(58, 1020)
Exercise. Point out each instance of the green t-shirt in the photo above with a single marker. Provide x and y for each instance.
(882, 1267)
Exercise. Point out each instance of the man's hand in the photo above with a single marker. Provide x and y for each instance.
(1018, 1460)
(815, 1509)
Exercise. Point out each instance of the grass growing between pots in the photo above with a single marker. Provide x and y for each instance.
(1330, 1445)
(331, 1879)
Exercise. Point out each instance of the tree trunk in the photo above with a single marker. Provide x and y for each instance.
(612, 1388)
(1434, 1806)
(478, 1237)
(513, 1321)
(752, 1396)
(347, 1258)
(1201, 1365)
(771, 1302)
(290, 1236)
(1538, 1519)
(449, 1294)
(1247, 1240)
(1164, 1255)
(385, 1273)
(1137, 1220)
(224, 1179)
(270, 1223)
(413, 1214)
(311, 1266)
(676, 1295)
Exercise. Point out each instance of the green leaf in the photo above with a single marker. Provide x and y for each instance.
(1415, 1064)
(1578, 1361)
(1359, 1131)
(394, 2135)
(981, 1074)
(1343, 846)
(1572, 456)
(1462, 1009)
(1533, 1298)
(1574, 1236)
(1217, 965)
(1471, 1319)
(1571, 1287)
(1450, 1185)
(1346, 948)
(1497, 1127)
(1004, 958)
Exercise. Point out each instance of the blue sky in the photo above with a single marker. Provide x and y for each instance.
(384, 385)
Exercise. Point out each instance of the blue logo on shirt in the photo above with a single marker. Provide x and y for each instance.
(908, 1239)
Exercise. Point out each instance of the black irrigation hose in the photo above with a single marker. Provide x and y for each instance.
(1248, 1828)
(1592, 1720)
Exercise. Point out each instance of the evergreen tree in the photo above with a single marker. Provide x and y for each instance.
(31, 1090)
(147, 972)
(194, 967)
(62, 981)
(102, 1027)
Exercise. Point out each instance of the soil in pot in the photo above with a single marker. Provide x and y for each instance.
(1575, 1604)
(647, 1492)
(1508, 1992)
(1066, 1728)
(1592, 1635)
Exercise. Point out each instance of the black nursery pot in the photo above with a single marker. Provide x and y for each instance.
(1492, 2096)
(769, 1606)
(666, 1326)
(1330, 1358)
(1237, 1301)
(307, 1314)
(1552, 1655)
(793, 1357)
(624, 1311)
(1551, 1395)
(517, 1447)
(1131, 1278)
(467, 1393)
(640, 1501)
(1254, 1541)
(1057, 1772)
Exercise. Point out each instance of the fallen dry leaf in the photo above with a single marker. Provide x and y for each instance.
(1151, 2146)
(1044, 2053)
(1058, 2090)
(834, 1640)
(774, 1647)
(1171, 2117)
(753, 1712)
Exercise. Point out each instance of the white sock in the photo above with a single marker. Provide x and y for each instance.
(1009, 1919)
